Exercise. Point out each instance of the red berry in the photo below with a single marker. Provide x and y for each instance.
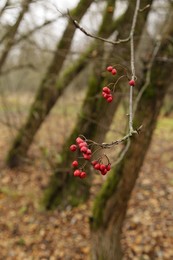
(94, 163)
(108, 95)
(108, 167)
(86, 156)
(109, 68)
(82, 144)
(77, 173)
(132, 82)
(105, 95)
(73, 147)
(79, 140)
(102, 167)
(109, 99)
(114, 72)
(106, 90)
(88, 152)
(104, 172)
(82, 175)
(75, 163)
(97, 166)
(84, 149)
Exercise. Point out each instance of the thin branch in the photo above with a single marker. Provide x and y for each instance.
(25, 36)
(123, 153)
(132, 62)
(144, 8)
(131, 131)
(131, 109)
(12, 32)
(18, 67)
(131, 38)
(121, 140)
(4, 7)
(78, 26)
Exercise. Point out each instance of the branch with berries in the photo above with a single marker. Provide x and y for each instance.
(84, 147)
(88, 149)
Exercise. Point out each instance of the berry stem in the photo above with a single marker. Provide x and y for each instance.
(132, 60)
(131, 110)
(118, 81)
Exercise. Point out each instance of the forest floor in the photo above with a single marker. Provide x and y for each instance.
(27, 232)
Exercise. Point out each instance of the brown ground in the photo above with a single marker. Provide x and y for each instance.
(27, 232)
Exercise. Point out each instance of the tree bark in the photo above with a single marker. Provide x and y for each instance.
(47, 93)
(65, 189)
(111, 204)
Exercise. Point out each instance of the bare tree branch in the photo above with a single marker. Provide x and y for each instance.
(12, 33)
(78, 26)
(25, 36)
(7, 3)
(132, 62)
(18, 67)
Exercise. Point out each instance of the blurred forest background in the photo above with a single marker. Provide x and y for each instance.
(51, 80)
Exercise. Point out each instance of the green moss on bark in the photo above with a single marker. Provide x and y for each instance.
(105, 193)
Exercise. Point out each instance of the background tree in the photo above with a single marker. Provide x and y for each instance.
(111, 203)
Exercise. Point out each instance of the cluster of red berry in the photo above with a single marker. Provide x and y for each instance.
(106, 93)
(101, 167)
(86, 152)
(112, 70)
(82, 146)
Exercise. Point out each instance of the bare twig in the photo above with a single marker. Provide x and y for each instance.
(4, 7)
(123, 153)
(12, 32)
(131, 109)
(25, 36)
(131, 131)
(131, 38)
(78, 26)
(132, 62)
(144, 8)
(121, 140)
(18, 67)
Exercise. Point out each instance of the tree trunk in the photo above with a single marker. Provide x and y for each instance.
(65, 190)
(111, 204)
(47, 93)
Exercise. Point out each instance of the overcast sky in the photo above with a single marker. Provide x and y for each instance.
(45, 10)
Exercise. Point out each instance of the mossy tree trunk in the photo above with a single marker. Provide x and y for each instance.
(64, 188)
(47, 93)
(111, 203)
